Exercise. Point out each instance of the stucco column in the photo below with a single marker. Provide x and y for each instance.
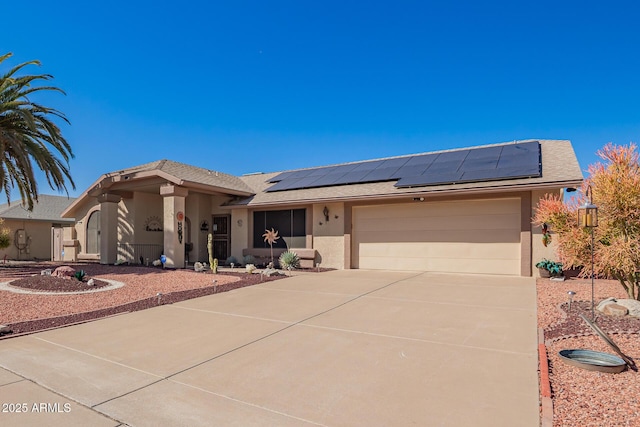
(174, 216)
(108, 227)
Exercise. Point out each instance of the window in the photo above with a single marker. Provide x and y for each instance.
(290, 225)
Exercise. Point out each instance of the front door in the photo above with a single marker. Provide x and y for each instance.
(221, 237)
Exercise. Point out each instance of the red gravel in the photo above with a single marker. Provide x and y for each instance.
(580, 397)
(32, 312)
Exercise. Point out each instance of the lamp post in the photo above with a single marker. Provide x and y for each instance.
(588, 217)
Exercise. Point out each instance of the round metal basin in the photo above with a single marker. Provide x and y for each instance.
(593, 360)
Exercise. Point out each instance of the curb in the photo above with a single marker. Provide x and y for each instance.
(546, 404)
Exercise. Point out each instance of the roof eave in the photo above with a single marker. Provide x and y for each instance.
(419, 191)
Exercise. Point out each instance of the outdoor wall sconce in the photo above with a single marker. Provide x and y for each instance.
(325, 211)
(588, 217)
(239, 223)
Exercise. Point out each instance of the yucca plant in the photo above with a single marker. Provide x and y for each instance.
(289, 260)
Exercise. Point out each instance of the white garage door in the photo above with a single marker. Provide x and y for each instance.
(477, 236)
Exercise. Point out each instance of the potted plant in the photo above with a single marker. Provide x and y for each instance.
(549, 268)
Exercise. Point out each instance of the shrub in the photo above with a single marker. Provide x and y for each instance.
(554, 268)
(289, 260)
(231, 260)
(5, 236)
(249, 259)
(80, 275)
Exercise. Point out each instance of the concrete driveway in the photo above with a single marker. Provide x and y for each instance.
(342, 348)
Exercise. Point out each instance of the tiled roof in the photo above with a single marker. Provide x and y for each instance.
(559, 168)
(191, 174)
(48, 208)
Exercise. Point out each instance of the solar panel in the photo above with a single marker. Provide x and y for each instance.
(429, 179)
(518, 160)
(368, 166)
(281, 176)
(329, 179)
(479, 164)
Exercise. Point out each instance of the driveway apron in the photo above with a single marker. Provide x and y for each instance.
(341, 348)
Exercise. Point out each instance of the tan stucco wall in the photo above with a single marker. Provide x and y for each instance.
(144, 207)
(539, 251)
(239, 232)
(328, 236)
(82, 215)
(38, 237)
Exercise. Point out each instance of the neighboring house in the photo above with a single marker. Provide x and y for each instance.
(465, 211)
(36, 235)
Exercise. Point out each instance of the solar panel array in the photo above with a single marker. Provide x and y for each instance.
(510, 161)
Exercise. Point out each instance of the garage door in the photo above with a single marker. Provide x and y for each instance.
(478, 236)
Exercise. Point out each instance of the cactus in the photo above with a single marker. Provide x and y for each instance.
(214, 266)
(210, 249)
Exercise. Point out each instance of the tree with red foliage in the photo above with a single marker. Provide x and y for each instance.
(615, 188)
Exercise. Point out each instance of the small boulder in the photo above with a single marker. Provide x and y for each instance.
(64, 271)
(91, 282)
(614, 309)
(271, 272)
(604, 302)
(46, 272)
(632, 305)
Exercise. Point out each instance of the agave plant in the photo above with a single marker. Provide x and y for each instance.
(289, 260)
(270, 236)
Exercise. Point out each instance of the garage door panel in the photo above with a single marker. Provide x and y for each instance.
(444, 236)
(505, 251)
(443, 265)
(439, 209)
(466, 222)
(480, 236)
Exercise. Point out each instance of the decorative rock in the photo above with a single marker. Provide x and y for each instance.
(91, 282)
(198, 267)
(4, 330)
(632, 305)
(250, 268)
(64, 271)
(604, 302)
(46, 272)
(271, 272)
(614, 309)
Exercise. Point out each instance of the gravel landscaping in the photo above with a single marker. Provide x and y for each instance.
(24, 313)
(581, 397)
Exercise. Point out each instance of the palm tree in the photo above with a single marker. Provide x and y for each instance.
(27, 134)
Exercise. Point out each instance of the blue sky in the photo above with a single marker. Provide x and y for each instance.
(250, 86)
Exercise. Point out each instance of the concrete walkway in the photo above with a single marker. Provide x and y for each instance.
(343, 348)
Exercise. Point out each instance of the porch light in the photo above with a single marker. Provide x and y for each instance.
(325, 211)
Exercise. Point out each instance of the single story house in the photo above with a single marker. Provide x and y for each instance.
(37, 234)
(465, 210)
